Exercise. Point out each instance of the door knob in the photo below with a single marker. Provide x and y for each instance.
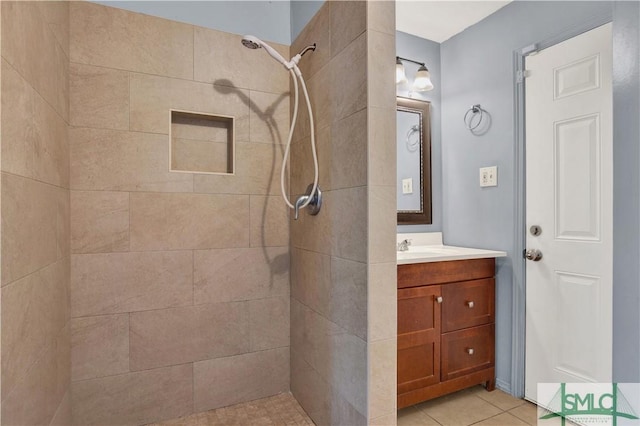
(439, 299)
(533, 254)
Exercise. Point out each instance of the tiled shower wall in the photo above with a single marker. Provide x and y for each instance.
(35, 213)
(343, 282)
(179, 281)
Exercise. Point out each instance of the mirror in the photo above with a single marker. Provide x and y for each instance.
(413, 143)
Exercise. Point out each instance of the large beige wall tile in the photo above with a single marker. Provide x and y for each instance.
(348, 21)
(382, 378)
(116, 38)
(349, 151)
(188, 221)
(301, 164)
(56, 15)
(269, 323)
(34, 136)
(257, 172)
(29, 226)
(381, 69)
(313, 233)
(34, 311)
(382, 146)
(310, 389)
(240, 274)
(349, 79)
(348, 296)
(269, 117)
(349, 218)
(31, 48)
(123, 161)
(348, 374)
(389, 420)
(313, 337)
(220, 58)
(99, 221)
(382, 294)
(381, 16)
(180, 335)
(318, 31)
(62, 416)
(382, 224)
(226, 381)
(125, 282)
(64, 223)
(99, 346)
(269, 221)
(38, 394)
(99, 97)
(152, 97)
(134, 398)
(311, 279)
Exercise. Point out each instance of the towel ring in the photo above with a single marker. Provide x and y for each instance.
(474, 111)
(412, 146)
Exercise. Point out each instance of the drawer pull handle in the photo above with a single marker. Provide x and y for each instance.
(470, 304)
(439, 299)
(470, 351)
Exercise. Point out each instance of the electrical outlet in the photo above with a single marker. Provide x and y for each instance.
(407, 186)
(489, 176)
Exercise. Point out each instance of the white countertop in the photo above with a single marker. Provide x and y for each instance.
(428, 247)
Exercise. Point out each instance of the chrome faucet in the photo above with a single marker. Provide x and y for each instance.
(404, 245)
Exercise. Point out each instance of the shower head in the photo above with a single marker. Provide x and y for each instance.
(253, 42)
(246, 42)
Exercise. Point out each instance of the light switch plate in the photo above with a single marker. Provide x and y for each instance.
(489, 176)
(407, 186)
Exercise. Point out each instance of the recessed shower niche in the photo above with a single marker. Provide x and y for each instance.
(201, 143)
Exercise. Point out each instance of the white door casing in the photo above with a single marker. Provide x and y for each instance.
(569, 186)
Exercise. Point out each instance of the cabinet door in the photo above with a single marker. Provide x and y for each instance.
(418, 338)
(467, 304)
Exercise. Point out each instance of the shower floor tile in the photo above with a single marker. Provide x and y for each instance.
(278, 410)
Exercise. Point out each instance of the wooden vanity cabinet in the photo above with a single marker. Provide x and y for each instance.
(446, 328)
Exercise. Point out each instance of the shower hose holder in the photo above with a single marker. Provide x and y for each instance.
(314, 206)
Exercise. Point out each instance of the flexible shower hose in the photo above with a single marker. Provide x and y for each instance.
(295, 75)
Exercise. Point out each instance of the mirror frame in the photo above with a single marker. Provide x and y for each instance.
(411, 217)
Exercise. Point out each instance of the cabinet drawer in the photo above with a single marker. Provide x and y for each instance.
(467, 304)
(430, 273)
(466, 351)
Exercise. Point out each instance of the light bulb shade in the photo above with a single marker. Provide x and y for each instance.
(400, 75)
(422, 82)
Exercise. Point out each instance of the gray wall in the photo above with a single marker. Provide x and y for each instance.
(268, 20)
(301, 13)
(427, 51)
(626, 187)
(478, 68)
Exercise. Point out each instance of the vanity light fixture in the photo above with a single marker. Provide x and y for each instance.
(421, 82)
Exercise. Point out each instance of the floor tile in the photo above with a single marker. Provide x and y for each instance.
(412, 416)
(526, 412)
(459, 409)
(500, 399)
(276, 410)
(504, 419)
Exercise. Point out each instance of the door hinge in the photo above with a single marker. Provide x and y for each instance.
(521, 75)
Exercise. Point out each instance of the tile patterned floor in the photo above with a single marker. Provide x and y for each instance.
(278, 410)
(474, 406)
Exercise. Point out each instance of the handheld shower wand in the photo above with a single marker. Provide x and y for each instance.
(253, 42)
(314, 198)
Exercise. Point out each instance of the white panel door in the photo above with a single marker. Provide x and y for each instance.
(569, 196)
